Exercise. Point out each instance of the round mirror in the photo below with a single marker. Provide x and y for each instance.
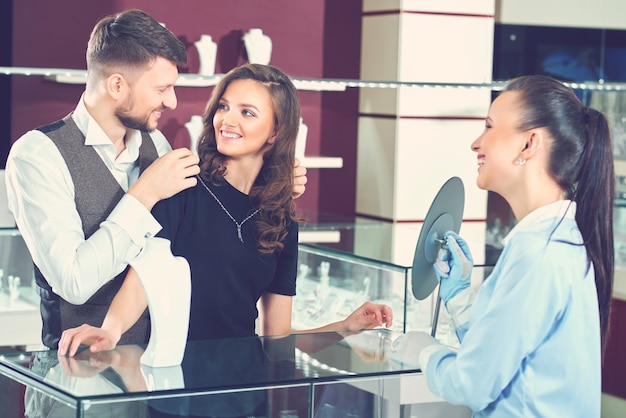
(445, 214)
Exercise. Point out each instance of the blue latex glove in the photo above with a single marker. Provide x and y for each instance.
(453, 267)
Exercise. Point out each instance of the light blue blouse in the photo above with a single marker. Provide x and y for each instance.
(532, 348)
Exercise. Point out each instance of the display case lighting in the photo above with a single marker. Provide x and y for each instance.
(72, 76)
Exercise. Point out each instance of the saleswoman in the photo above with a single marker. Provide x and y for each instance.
(534, 337)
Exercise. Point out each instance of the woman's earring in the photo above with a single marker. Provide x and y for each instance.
(520, 161)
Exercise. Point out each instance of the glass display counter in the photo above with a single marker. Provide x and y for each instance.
(19, 302)
(337, 276)
(308, 375)
(619, 231)
(332, 283)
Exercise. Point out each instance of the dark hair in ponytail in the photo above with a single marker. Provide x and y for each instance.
(581, 161)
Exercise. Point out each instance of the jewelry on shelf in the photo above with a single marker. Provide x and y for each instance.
(301, 140)
(239, 224)
(258, 46)
(366, 287)
(194, 127)
(207, 50)
(303, 271)
(14, 288)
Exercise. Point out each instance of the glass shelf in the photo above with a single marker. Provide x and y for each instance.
(76, 76)
(72, 76)
(322, 162)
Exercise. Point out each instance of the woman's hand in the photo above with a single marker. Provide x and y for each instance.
(98, 339)
(369, 315)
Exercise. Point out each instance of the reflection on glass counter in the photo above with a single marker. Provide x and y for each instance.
(301, 376)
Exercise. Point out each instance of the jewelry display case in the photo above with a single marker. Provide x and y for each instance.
(332, 283)
(19, 303)
(336, 276)
(619, 231)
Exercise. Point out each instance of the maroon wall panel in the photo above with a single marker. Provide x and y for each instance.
(342, 59)
(304, 35)
(614, 362)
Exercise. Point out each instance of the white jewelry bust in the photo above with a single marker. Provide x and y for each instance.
(166, 280)
(207, 51)
(258, 46)
(301, 140)
(194, 127)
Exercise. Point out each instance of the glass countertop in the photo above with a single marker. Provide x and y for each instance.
(235, 364)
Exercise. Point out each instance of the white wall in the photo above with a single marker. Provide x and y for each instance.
(602, 14)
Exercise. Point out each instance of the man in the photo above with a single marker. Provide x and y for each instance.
(81, 189)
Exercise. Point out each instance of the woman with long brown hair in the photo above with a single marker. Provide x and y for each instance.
(237, 227)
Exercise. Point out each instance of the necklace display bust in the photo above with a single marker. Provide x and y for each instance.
(194, 128)
(258, 46)
(301, 140)
(166, 280)
(207, 50)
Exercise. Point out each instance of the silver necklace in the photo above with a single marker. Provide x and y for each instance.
(239, 224)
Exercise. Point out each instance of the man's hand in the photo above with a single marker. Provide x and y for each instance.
(299, 179)
(98, 339)
(166, 176)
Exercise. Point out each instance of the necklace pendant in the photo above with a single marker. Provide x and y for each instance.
(239, 225)
(239, 233)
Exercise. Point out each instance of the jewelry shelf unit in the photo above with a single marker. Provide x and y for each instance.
(74, 76)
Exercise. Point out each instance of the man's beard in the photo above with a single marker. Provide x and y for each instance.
(123, 113)
(133, 122)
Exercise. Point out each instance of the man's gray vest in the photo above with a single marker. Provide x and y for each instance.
(97, 192)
